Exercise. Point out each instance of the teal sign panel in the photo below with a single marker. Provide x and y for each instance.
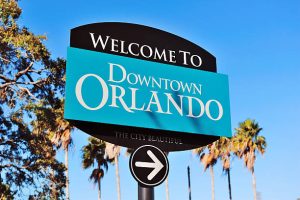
(116, 90)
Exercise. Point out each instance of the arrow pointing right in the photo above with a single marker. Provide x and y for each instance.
(156, 164)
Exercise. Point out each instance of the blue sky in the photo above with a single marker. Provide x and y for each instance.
(256, 43)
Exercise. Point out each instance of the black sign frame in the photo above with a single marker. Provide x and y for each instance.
(133, 137)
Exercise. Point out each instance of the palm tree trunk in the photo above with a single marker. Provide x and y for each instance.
(189, 183)
(99, 190)
(229, 183)
(167, 189)
(254, 184)
(212, 182)
(67, 173)
(118, 177)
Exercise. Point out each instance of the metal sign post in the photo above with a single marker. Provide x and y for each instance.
(145, 193)
(149, 167)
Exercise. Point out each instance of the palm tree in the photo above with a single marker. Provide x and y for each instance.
(167, 184)
(113, 153)
(167, 189)
(61, 137)
(224, 146)
(247, 143)
(208, 156)
(129, 151)
(93, 154)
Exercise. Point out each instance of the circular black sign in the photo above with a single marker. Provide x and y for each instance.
(149, 165)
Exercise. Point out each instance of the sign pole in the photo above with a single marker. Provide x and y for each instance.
(151, 157)
(145, 193)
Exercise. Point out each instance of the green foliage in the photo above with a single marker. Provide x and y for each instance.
(50, 121)
(224, 148)
(93, 155)
(208, 154)
(31, 86)
(129, 151)
(5, 192)
(9, 11)
(247, 142)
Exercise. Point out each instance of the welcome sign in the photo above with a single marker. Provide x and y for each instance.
(133, 93)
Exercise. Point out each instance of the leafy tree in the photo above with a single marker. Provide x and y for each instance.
(5, 192)
(93, 155)
(28, 76)
(247, 143)
(50, 122)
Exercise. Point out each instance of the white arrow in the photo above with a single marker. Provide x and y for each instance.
(156, 164)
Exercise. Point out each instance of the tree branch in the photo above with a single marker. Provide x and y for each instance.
(7, 84)
(8, 142)
(5, 78)
(14, 166)
(20, 73)
(28, 92)
(5, 60)
(36, 71)
(32, 83)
